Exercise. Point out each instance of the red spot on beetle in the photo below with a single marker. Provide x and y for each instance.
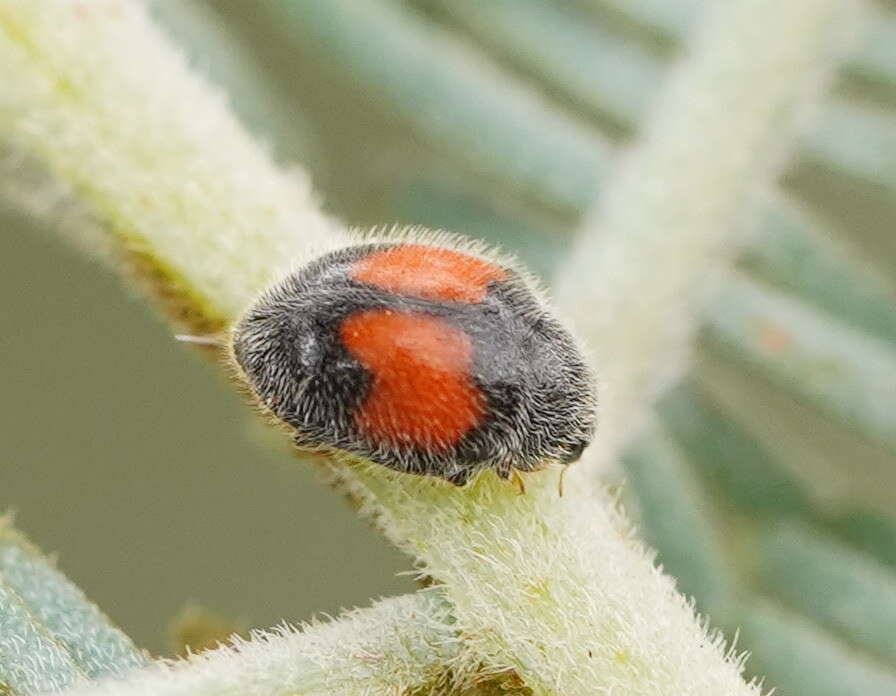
(422, 393)
(431, 273)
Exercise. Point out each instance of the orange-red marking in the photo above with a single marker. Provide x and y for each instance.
(422, 393)
(431, 273)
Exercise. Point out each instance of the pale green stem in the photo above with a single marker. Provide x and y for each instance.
(801, 440)
(677, 517)
(62, 611)
(873, 59)
(673, 216)
(215, 50)
(803, 660)
(31, 661)
(876, 60)
(873, 532)
(75, 74)
(553, 587)
(826, 362)
(551, 41)
(669, 17)
(727, 458)
(803, 255)
(846, 591)
(454, 95)
(856, 140)
(395, 647)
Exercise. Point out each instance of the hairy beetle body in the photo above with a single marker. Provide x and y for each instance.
(421, 358)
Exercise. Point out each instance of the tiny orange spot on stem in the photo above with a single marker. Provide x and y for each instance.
(774, 338)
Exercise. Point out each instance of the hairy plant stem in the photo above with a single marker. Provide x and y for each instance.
(397, 646)
(673, 216)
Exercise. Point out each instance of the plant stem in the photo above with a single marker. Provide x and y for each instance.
(62, 612)
(672, 218)
(397, 646)
(110, 108)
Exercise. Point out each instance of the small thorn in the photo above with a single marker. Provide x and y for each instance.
(560, 480)
(200, 340)
(517, 481)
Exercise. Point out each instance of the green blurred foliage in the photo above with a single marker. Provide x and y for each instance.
(130, 455)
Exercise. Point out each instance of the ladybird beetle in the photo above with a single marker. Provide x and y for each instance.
(421, 357)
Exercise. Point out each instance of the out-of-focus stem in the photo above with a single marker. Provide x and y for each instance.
(672, 218)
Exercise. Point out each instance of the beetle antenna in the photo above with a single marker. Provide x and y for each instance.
(200, 340)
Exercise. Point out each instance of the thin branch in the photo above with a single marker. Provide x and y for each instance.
(673, 217)
(31, 662)
(103, 101)
(95, 645)
(395, 647)
(51, 636)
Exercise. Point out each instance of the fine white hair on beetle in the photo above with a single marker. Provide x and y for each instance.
(420, 351)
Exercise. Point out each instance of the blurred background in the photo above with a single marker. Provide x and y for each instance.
(767, 481)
